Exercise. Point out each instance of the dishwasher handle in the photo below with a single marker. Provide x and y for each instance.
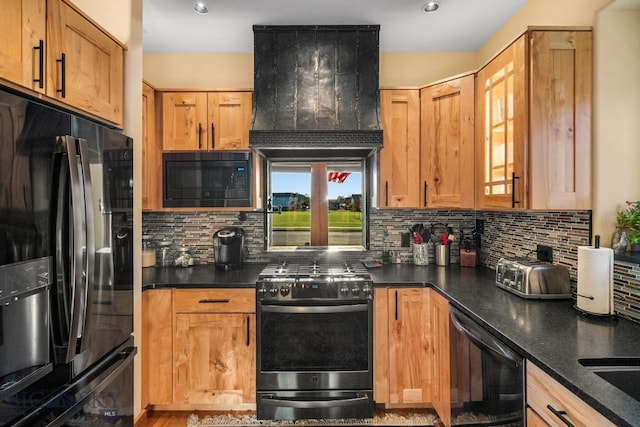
(483, 339)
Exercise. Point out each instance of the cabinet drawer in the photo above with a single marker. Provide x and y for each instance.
(214, 301)
(545, 395)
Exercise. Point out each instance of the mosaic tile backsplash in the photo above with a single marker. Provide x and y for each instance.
(506, 234)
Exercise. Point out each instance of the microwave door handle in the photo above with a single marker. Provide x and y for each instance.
(78, 271)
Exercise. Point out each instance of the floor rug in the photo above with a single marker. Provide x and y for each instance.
(387, 419)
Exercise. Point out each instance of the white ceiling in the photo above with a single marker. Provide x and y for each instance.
(458, 25)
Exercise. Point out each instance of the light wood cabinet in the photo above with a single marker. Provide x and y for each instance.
(552, 404)
(441, 391)
(50, 47)
(85, 65)
(402, 353)
(399, 160)
(533, 127)
(151, 153)
(157, 347)
(214, 348)
(22, 43)
(447, 144)
(206, 120)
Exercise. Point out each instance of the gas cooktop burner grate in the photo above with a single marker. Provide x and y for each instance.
(314, 269)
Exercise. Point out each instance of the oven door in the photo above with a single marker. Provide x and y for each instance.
(315, 346)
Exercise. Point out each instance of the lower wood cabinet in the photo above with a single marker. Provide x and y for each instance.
(402, 352)
(551, 404)
(441, 391)
(212, 341)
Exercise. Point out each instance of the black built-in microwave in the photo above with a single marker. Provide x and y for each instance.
(207, 179)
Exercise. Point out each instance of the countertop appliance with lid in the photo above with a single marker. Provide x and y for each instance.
(314, 341)
(533, 279)
(229, 248)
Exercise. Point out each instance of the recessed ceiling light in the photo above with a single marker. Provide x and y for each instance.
(430, 6)
(200, 7)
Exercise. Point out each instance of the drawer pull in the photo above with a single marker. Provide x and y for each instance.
(561, 415)
(214, 301)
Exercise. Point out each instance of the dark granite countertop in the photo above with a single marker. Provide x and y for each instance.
(550, 333)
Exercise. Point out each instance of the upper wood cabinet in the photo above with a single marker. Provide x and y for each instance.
(151, 153)
(229, 119)
(85, 65)
(399, 160)
(447, 145)
(402, 352)
(533, 128)
(206, 120)
(49, 47)
(22, 45)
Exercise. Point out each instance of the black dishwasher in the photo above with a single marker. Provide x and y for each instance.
(487, 377)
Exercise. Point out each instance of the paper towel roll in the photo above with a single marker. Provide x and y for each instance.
(595, 280)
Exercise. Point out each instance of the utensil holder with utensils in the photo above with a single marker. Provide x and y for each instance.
(443, 253)
(420, 254)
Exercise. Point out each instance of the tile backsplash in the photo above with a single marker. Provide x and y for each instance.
(506, 234)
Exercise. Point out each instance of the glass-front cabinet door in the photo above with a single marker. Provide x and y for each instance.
(501, 130)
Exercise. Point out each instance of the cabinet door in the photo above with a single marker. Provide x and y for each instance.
(157, 347)
(441, 357)
(399, 160)
(410, 353)
(560, 119)
(85, 65)
(214, 356)
(151, 154)
(229, 119)
(184, 121)
(22, 44)
(501, 130)
(447, 144)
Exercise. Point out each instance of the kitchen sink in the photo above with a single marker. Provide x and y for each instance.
(621, 372)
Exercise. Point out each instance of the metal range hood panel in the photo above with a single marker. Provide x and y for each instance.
(316, 89)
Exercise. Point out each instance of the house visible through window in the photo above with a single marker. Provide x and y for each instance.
(316, 204)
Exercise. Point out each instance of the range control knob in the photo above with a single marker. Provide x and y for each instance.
(262, 291)
(285, 289)
(344, 290)
(355, 290)
(366, 290)
(273, 291)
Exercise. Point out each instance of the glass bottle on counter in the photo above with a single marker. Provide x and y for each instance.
(184, 258)
(148, 252)
(165, 253)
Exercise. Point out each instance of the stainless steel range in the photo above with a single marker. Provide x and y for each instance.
(314, 341)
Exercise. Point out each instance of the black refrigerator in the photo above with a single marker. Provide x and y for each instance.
(66, 268)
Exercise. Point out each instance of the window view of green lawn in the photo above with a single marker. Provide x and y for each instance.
(291, 224)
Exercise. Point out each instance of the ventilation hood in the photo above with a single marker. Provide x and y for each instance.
(316, 92)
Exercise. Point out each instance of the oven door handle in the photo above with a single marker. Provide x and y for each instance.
(331, 403)
(313, 309)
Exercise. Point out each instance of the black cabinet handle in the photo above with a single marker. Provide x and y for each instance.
(425, 194)
(514, 202)
(561, 415)
(386, 193)
(214, 301)
(199, 135)
(248, 330)
(396, 305)
(63, 72)
(213, 136)
(40, 49)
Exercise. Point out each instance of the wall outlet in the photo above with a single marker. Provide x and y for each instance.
(480, 226)
(405, 240)
(545, 253)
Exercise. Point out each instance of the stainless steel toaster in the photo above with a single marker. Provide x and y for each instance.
(533, 279)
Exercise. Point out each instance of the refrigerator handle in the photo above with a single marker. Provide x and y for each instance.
(78, 274)
(89, 264)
